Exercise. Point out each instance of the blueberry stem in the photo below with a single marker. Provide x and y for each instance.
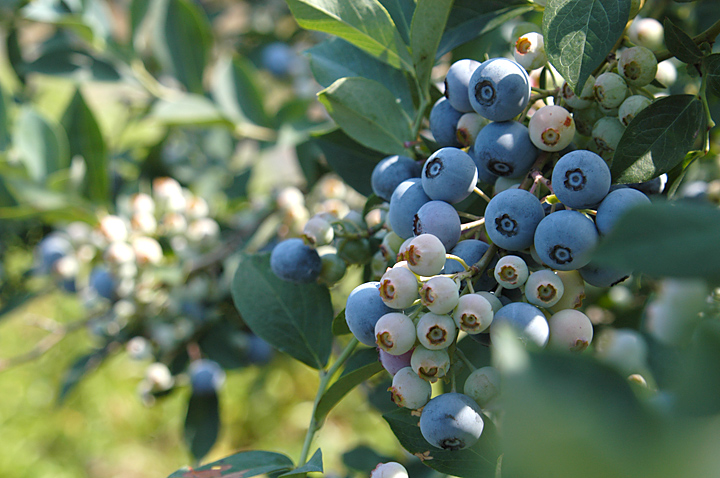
(481, 193)
(325, 378)
(472, 225)
(459, 259)
(461, 355)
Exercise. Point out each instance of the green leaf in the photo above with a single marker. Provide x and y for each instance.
(188, 110)
(86, 141)
(202, 424)
(339, 325)
(236, 92)
(4, 132)
(81, 367)
(579, 34)
(368, 113)
(711, 67)
(364, 23)
(181, 41)
(138, 11)
(680, 44)
(243, 465)
(314, 465)
(478, 461)
(294, 318)
(665, 239)
(363, 459)
(335, 58)
(658, 139)
(72, 63)
(34, 200)
(367, 366)
(428, 24)
(401, 12)
(563, 413)
(41, 144)
(353, 162)
(700, 382)
(470, 19)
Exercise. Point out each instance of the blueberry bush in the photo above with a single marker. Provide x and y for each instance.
(505, 238)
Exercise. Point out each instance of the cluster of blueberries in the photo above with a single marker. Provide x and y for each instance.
(521, 267)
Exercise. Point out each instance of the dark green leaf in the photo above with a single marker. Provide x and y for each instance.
(225, 344)
(666, 239)
(335, 58)
(401, 12)
(339, 325)
(658, 139)
(181, 41)
(42, 145)
(235, 90)
(78, 370)
(314, 465)
(238, 188)
(363, 459)
(348, 381)
(310, 158)
(202, 424)
(244, 464)
(711, 68)
(86, 141)
(57, 14)
(294, 318)
(188, 110)
(72, 63)
(138, 11)
(4, 133)
(349, 159)
(34, 200)
(427, 27)
(579, 34)
(701, 378)
(372, 202)
(564, 413)
(369, 113)
(478, 461)
(14, 54)
(364, 23)
(680, 44)
(470, 19)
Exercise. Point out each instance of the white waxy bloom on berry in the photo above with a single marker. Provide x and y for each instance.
(440, 294)
(610, 90)
(530, 51)
(483, 385)
(474, 313)
(426, 255)
(544, 288)
(511, 272)
(436, 332)
(409, 390)
(399, 288)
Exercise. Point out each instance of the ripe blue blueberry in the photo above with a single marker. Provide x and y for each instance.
(581, 179)
(511, 218)
(527, 321)
(615, 204)
(292, 260)
(363, 309)
(600, 276)
(449, 175)
(451, 421)
(469, 250)
(443, 123)
(390, 172)
(279, 58)
(206, 377)
(499, 89)
(564, 240)
(102, 282)
(51, 249)
(456, 84)
(405, 201)
(504, 149)
(439, 219)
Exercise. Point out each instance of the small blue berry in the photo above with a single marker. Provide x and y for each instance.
(294, 261)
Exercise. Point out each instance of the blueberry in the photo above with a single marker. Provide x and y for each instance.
(206, 377)
(394, 363)
(405, 201)
(102, 282)
(259, 351)
(294, 261)
(363, 309)
(527, 321)
(390, 172)
(456, 84)
(511, 218)
(439, 219)
(653, 186)
(279, 59)
(451, 421)
(581, 179)
(51, 249)
(443, 123)
(504, 149)
(564, 240)
(615, 205)
(600, 276)
(551, 128)
(499, 89)
(469, 250)
(449, 175)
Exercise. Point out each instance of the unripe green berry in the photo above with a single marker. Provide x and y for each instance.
(399, 288)
(492, 298)
(390, 246)
(529, 51)
(318, 231)
(389, 470)
(333, 269)
(610, 90)
(409, 390)
(586, 98)
(468, 127)
(511, 272)
(354, 250)
(430, 365)
(436, 332)
(551, 128)
(440, 294)
(647, 32)
(483, 385)
(606, 135)
(395, 333)
(574, 291)
(586, 118)
(631, 107)
(570, 330)
(544, 288)
(638, 66)
(426, 255)
(474, 313)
